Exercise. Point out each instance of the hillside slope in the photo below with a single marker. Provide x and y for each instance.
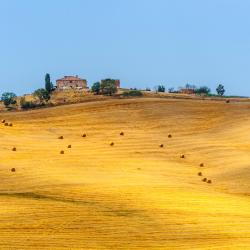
(134, 194)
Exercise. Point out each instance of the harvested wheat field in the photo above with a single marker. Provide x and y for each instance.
(134, 194)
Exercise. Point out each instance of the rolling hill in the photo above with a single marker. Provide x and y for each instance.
(134, 194)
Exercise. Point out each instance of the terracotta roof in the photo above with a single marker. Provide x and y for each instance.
(70, 78)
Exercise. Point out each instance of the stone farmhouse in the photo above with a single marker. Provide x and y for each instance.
(71, 82)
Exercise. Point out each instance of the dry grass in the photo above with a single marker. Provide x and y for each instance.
(134, 195)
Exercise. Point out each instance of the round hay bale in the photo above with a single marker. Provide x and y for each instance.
(227, 101)
(13, 170)
(84, 135)
(3, 121)
(138, 168)
(69, 146)
(161, 145)
(6, 124)
(182, 156)
(10, 124)
(60, 137)
(204, 179)
(61, 152)
(112, 144)
(202, 165)
(200, 174)
(169, 136)
(209, 181)
(14, 149)
(122, 133)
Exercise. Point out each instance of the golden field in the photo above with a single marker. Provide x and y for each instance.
(135, 194)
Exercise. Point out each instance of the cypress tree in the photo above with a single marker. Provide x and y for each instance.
(48, 83)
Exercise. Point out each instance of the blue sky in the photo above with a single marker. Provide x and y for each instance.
(142, 42)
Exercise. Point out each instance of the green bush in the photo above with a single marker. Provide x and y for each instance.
(203, 90)
(27, 104)
(133, 93)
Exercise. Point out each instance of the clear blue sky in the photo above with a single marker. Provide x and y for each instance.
(142, 42)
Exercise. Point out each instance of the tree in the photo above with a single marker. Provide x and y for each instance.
(96, 88)
(160, 88)
(220, 90)
(48, 83)
(108, 87)
(203, 90)
(42, 95)
(8, 98)
(171, 90)
(190, 86)
(133, 93)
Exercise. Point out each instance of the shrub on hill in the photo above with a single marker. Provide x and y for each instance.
(202, 90)
(27, 104)
(133, 93)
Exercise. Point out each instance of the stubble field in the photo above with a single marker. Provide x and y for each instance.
(134, 194)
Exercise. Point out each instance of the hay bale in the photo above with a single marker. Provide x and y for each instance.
(161, 146)
(69, 146)
(169, 136)
(204, 179)
(84, 135)
(112, 144)
(209, 181)
(13, 170)
(14, 149)
(61, 152)
(122, 133)
(227, 101)
(10, 124)
(60, 137)
(3, 121)
(6, 124)
(202, 165)
(200, 174)
(182, 156)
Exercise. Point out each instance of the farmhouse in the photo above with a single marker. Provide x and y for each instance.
(71, 82)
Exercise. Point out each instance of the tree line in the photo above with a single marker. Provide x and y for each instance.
(105, 87)
(196, 90)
